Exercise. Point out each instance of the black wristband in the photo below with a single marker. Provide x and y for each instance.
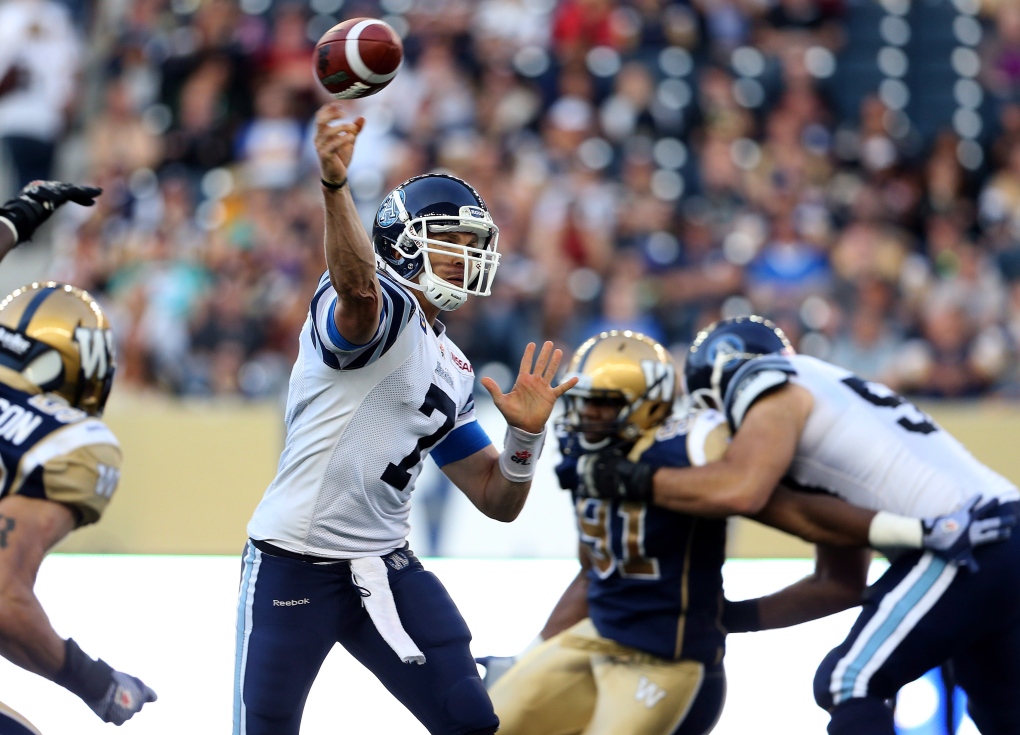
(81, 675)
(743, 616)
(334, 187)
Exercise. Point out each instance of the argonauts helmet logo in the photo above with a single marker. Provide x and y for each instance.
(390, 210)
(727, 348)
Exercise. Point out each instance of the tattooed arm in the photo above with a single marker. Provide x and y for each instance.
(29, 528)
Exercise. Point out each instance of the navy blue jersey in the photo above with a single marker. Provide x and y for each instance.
(656, 575)
(51, 451)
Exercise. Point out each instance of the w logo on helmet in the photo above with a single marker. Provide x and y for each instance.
(660, 379)
(96, 349)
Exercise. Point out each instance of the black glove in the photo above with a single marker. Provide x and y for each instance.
(37, 201)
(609, 474)
(123, 698)
(113, 695)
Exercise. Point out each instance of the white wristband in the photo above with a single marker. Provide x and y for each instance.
(888, 530)
(521, 450)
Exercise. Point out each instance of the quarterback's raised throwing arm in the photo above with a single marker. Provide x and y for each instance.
(350, 256)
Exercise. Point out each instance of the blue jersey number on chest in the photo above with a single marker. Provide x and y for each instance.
(397, 475)
(615, 536)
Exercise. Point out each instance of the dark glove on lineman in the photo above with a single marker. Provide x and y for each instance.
(37, 201)
(123, 698)
(113, 695)
(954, 536)
(610, 474)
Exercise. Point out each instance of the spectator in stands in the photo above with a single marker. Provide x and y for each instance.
(40, 54)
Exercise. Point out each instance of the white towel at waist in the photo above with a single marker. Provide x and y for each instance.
(370, 572)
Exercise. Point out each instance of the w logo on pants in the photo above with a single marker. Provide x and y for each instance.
(649, 692)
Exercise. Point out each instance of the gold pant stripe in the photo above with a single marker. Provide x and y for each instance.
(6, 713)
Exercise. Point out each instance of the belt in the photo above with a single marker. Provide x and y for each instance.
(267, 548)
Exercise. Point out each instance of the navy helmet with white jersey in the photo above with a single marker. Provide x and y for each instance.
(721, 351)
(430, 204)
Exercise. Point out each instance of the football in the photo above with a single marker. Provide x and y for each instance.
(357, 58)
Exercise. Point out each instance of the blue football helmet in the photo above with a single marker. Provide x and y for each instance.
(426, 205)
(722, 348)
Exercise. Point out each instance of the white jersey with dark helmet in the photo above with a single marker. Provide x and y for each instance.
(360, 421)
(867, 445)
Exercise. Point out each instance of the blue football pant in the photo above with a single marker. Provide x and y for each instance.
(925, 611)
(281, 646)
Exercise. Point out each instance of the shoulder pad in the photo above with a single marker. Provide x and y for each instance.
(707, 438)
(752, 381)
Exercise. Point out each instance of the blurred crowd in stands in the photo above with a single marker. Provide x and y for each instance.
(652, 165)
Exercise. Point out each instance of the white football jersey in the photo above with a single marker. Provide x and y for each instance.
(865, 444)
(360, 421)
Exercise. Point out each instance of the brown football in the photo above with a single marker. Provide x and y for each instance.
(357, 58)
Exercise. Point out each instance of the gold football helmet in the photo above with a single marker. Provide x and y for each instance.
(625, 368)
(57, 338)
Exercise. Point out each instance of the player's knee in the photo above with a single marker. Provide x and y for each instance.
(823, 680)
(470, 708)
(858, 716)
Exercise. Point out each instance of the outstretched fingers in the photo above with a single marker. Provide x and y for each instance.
(490, 385)
(554, 365)
(527, 358)
(543, 358)
(566, 385)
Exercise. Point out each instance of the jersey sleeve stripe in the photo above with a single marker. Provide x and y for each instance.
(396, 304)
(64, 441)
(334, 333)
(753, 380)
(462, 442)
(468, 407)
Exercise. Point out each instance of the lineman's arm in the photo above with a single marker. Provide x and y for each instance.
(817, 518)
(350, 256)
(837, 584)
(743, 480)
(572, 607)
(29, 528)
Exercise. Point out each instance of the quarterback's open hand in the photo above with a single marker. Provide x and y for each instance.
(530, 402)
(334, 141)
(609, 474)
(36, 202)
(955, 535)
